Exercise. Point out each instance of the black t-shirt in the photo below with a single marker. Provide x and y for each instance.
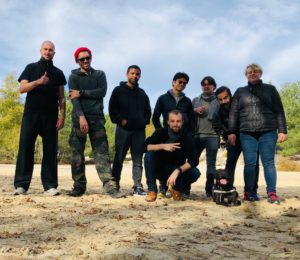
(44, 98)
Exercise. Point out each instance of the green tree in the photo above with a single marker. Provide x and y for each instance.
(11, 110)
(290, 96)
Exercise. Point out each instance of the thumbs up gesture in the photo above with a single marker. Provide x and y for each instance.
(43, 79)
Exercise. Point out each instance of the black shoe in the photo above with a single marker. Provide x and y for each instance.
(209, 195)
(76, 192)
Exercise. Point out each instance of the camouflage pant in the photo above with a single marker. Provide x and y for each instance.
(98, 138)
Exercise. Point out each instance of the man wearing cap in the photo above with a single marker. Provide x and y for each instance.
(44, 85)
(87, 89)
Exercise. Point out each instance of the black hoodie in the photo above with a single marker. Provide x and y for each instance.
(92, 87)
(131, 104)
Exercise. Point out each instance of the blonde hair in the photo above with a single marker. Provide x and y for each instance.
(254, 66)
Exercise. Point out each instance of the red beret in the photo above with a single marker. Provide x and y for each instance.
(80, 50)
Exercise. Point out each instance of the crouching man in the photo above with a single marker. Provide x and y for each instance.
(170, 157)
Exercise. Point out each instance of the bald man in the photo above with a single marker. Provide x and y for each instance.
(44, 85)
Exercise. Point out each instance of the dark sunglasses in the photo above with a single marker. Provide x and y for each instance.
(88, 58)
(182, 82)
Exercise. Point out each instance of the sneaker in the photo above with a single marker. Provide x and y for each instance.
(110, 186)
(161, 194)
(20, 191)
(208, 195)
(254, 197)
(151, 197)
(247, 196)
(76, 192)
(251, 196)
(139, 191)
(112, 189)
(186, 195)
(116, 194)
(51, 192)
(272, 198)
(175, 194)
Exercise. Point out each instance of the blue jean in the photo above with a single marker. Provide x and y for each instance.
(211, 144)
(124, 140)
(156, 168)
(265, 144)
(233, 154)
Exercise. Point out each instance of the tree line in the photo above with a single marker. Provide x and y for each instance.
(11, 111)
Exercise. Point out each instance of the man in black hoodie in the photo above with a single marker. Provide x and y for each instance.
(87, 90)
(129, 108)
(44, 85)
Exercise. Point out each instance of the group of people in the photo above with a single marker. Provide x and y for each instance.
(250, 122)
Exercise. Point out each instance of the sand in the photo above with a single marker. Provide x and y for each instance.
(96, 226)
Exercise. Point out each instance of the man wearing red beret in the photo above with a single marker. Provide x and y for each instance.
(87, 89)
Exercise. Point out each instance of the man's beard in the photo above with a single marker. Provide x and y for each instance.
(226, 106)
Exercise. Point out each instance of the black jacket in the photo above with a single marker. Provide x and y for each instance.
(187, 152)
(257, 108)
(167, 103)
(220, 121)
(131, 104)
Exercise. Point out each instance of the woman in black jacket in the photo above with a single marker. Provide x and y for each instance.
(258, 113)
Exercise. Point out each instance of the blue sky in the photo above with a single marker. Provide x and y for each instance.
(216, 37)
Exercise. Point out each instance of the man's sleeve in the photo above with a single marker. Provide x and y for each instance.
(76, 102)
(155, 138)
(191, 118)
(26, 74)
(101, 89)
(156, 115)
(233, 114)
(147, 111)
(113, 108)
(192, 159)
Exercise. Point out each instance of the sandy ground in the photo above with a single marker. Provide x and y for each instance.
(96, 226)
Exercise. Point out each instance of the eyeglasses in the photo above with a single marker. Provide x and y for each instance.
(88, 58)
(182, 82)
(206, 84)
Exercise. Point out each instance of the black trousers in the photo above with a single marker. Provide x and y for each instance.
(34, 124)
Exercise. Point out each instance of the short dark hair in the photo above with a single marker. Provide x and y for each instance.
(210, 80)
(134, 67)
(180, 75)
(223, 89)
(175, 112)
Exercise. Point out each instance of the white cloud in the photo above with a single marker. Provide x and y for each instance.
(215, 38)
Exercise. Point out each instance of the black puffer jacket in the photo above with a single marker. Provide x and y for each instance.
(257, 108)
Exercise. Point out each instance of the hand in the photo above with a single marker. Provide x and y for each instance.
(60, 123)
(43, 80)
(281, 137)
(232, 139)
(74, 94)
(200, 109)
(222, 143)
(84, 126)
(171, 147)
(172, 178)
(123, 122)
